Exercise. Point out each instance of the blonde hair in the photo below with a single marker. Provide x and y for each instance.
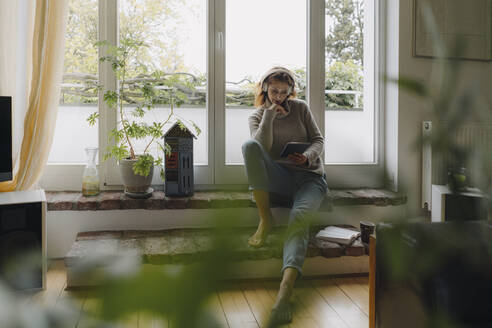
(261, 95)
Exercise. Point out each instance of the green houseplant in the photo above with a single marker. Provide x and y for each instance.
(143, 93)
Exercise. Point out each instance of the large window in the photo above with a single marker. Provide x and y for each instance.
(212, 53)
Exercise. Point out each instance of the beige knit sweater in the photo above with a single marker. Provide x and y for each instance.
(274, 130)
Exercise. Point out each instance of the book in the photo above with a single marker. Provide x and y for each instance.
(338, 235)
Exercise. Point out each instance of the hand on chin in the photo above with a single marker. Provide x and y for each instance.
(280, 108)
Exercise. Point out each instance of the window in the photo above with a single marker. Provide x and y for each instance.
(176, 34)
(252, 49)
(214, 52)
(349, 113)
(79, 96)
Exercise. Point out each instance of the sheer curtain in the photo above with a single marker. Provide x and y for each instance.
(32, 36)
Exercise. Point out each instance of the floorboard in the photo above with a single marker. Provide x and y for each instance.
(348, 311)
(259, 301)
(90, 309)
(236, 308)
(318, 308)
(363, 281)
(355, 292)
(56, 279)
(71, 301)
(319, 303)
(214, 307)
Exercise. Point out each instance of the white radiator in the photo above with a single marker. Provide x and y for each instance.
(475, 137)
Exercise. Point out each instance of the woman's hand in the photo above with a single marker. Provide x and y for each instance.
(298, 159)
(278, 109)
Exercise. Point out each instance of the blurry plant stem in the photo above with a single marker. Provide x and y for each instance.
(120, 100)
(165, 122)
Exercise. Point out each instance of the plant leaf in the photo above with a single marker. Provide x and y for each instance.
(92, 118)
(143, 165)
(414, 86)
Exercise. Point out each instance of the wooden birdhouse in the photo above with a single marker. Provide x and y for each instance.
(179, 179)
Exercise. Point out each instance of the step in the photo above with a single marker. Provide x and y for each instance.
(187, 246)
(116, 200)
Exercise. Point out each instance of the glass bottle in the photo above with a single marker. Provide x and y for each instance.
(90, 178)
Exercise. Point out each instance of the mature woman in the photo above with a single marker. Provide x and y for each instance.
(279, 119)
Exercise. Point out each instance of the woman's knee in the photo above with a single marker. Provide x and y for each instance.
(251, 146)
(301, 216)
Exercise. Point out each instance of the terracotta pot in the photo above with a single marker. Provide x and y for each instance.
(134, 183)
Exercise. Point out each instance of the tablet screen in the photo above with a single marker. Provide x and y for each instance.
(294, 147)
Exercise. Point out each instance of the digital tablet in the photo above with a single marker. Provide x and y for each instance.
(294, 147)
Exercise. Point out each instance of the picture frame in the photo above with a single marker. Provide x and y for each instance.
(464, 22)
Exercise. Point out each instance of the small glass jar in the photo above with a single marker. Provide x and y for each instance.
(90, 178)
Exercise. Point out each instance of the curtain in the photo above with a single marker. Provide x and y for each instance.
(32, 37)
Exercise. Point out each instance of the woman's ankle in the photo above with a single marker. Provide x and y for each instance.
(284, 294)
(266, 221)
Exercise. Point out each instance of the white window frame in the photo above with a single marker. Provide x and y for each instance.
(216, 174)
(355, 175)
(111, 178)
(350, 175)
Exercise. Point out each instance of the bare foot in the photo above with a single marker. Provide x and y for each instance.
(259, 237)
(282, 310)
(280, 315)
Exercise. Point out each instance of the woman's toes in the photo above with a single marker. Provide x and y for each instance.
(255, 241)
(280, 315)
(251, 241)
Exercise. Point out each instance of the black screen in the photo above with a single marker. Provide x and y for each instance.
(5, 138)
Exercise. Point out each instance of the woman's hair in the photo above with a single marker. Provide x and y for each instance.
(279, 74)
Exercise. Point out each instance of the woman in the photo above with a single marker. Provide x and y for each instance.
(279, 119)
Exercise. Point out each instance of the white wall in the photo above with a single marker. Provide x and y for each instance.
(412, 111)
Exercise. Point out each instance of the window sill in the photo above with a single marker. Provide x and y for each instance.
(110, 200)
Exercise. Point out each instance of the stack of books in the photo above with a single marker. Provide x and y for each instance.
(338, 235)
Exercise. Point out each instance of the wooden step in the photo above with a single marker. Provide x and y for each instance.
(187, 246)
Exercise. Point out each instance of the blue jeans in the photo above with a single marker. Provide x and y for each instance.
(306, 189)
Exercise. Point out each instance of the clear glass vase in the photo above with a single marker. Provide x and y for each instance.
(90, 178)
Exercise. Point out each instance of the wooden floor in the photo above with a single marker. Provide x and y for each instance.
(330, 302)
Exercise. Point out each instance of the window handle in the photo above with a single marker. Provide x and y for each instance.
(220, 39)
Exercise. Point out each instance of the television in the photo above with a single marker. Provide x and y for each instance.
(5, 138)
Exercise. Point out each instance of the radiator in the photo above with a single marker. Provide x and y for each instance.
(475, 137)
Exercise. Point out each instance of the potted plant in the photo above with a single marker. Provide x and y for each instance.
(144, 93)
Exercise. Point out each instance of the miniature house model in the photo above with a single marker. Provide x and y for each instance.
(179, 165)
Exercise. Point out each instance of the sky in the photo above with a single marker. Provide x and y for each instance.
(260, 34)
